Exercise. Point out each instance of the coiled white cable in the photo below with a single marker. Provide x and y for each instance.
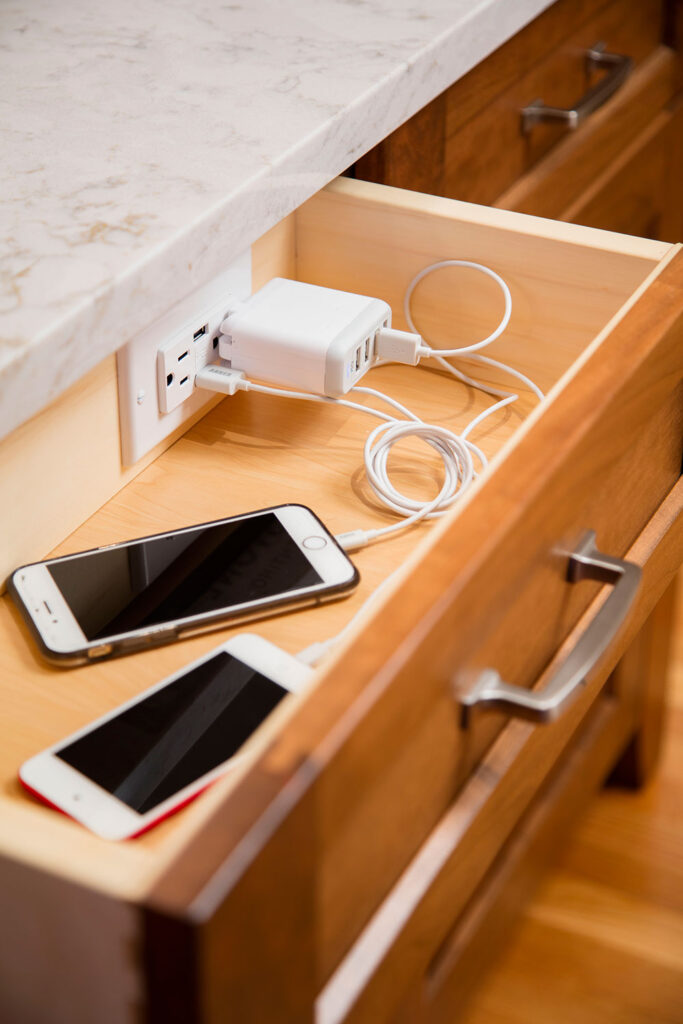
(442, 354)
(455, 450)
(427, 350)
(457, 453)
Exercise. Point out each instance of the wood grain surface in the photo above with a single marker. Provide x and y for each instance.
(487, 154)
(191, 483)
(327, 770)
(472, 132)
(566, 178)
(642, 191)
(406, 949)
(602, 942)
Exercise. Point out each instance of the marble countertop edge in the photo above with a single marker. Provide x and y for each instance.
(90, 330)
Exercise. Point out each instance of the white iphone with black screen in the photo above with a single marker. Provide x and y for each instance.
(117, 599)
(146, 759)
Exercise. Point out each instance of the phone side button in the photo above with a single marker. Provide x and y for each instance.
(157, 633)
(99, 651)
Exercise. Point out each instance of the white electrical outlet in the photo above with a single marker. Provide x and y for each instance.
(156, 369)
(189, 350)
(176, 369)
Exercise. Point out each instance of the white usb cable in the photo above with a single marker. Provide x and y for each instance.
(262, 329)
(315, 652)
(456, 451)
(441, 354)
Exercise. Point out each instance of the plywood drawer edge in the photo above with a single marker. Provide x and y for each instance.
(68, 953)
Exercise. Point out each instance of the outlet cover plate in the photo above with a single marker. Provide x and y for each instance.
(142, 423)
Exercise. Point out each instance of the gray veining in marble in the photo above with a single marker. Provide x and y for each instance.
(144, 142)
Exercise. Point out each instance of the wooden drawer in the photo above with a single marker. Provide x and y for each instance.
(431, 940)
(489, 152)
(642, 192)
(469, 143)
(274, 872)
(622, 173)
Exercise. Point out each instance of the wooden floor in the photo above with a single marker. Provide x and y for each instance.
(603, 941)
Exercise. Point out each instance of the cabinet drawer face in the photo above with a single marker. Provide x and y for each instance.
(403, 952)
(489, 590)
(306, 841)
(470, 142)
(642, 193)
(429, 943)
(622, 171)
(488, 153)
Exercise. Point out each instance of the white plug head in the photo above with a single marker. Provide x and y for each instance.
(294, 334)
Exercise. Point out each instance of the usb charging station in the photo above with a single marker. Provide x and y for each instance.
(294, 334)
(156, 368)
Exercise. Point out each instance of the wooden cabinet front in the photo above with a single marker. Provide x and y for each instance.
(620, 169)
(248, 903)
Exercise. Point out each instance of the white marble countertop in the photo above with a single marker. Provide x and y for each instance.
(144, 142)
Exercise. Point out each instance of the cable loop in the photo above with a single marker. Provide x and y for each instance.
(456, 452)
(463, 349)
(456, 455)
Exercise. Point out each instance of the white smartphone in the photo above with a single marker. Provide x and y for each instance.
(149, 757)
(148, 591)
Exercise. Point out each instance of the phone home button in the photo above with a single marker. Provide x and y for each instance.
(314, 543)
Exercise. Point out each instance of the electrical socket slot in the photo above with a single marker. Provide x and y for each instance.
(157, 368)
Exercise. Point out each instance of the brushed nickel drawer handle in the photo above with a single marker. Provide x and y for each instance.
(619, 68)
(586, 563)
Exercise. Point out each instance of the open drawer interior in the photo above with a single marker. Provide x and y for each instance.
(253, 451)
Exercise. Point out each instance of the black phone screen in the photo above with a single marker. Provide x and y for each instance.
(175, 576)
(177, 734)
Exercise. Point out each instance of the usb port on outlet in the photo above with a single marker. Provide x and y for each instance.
(198, 334)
